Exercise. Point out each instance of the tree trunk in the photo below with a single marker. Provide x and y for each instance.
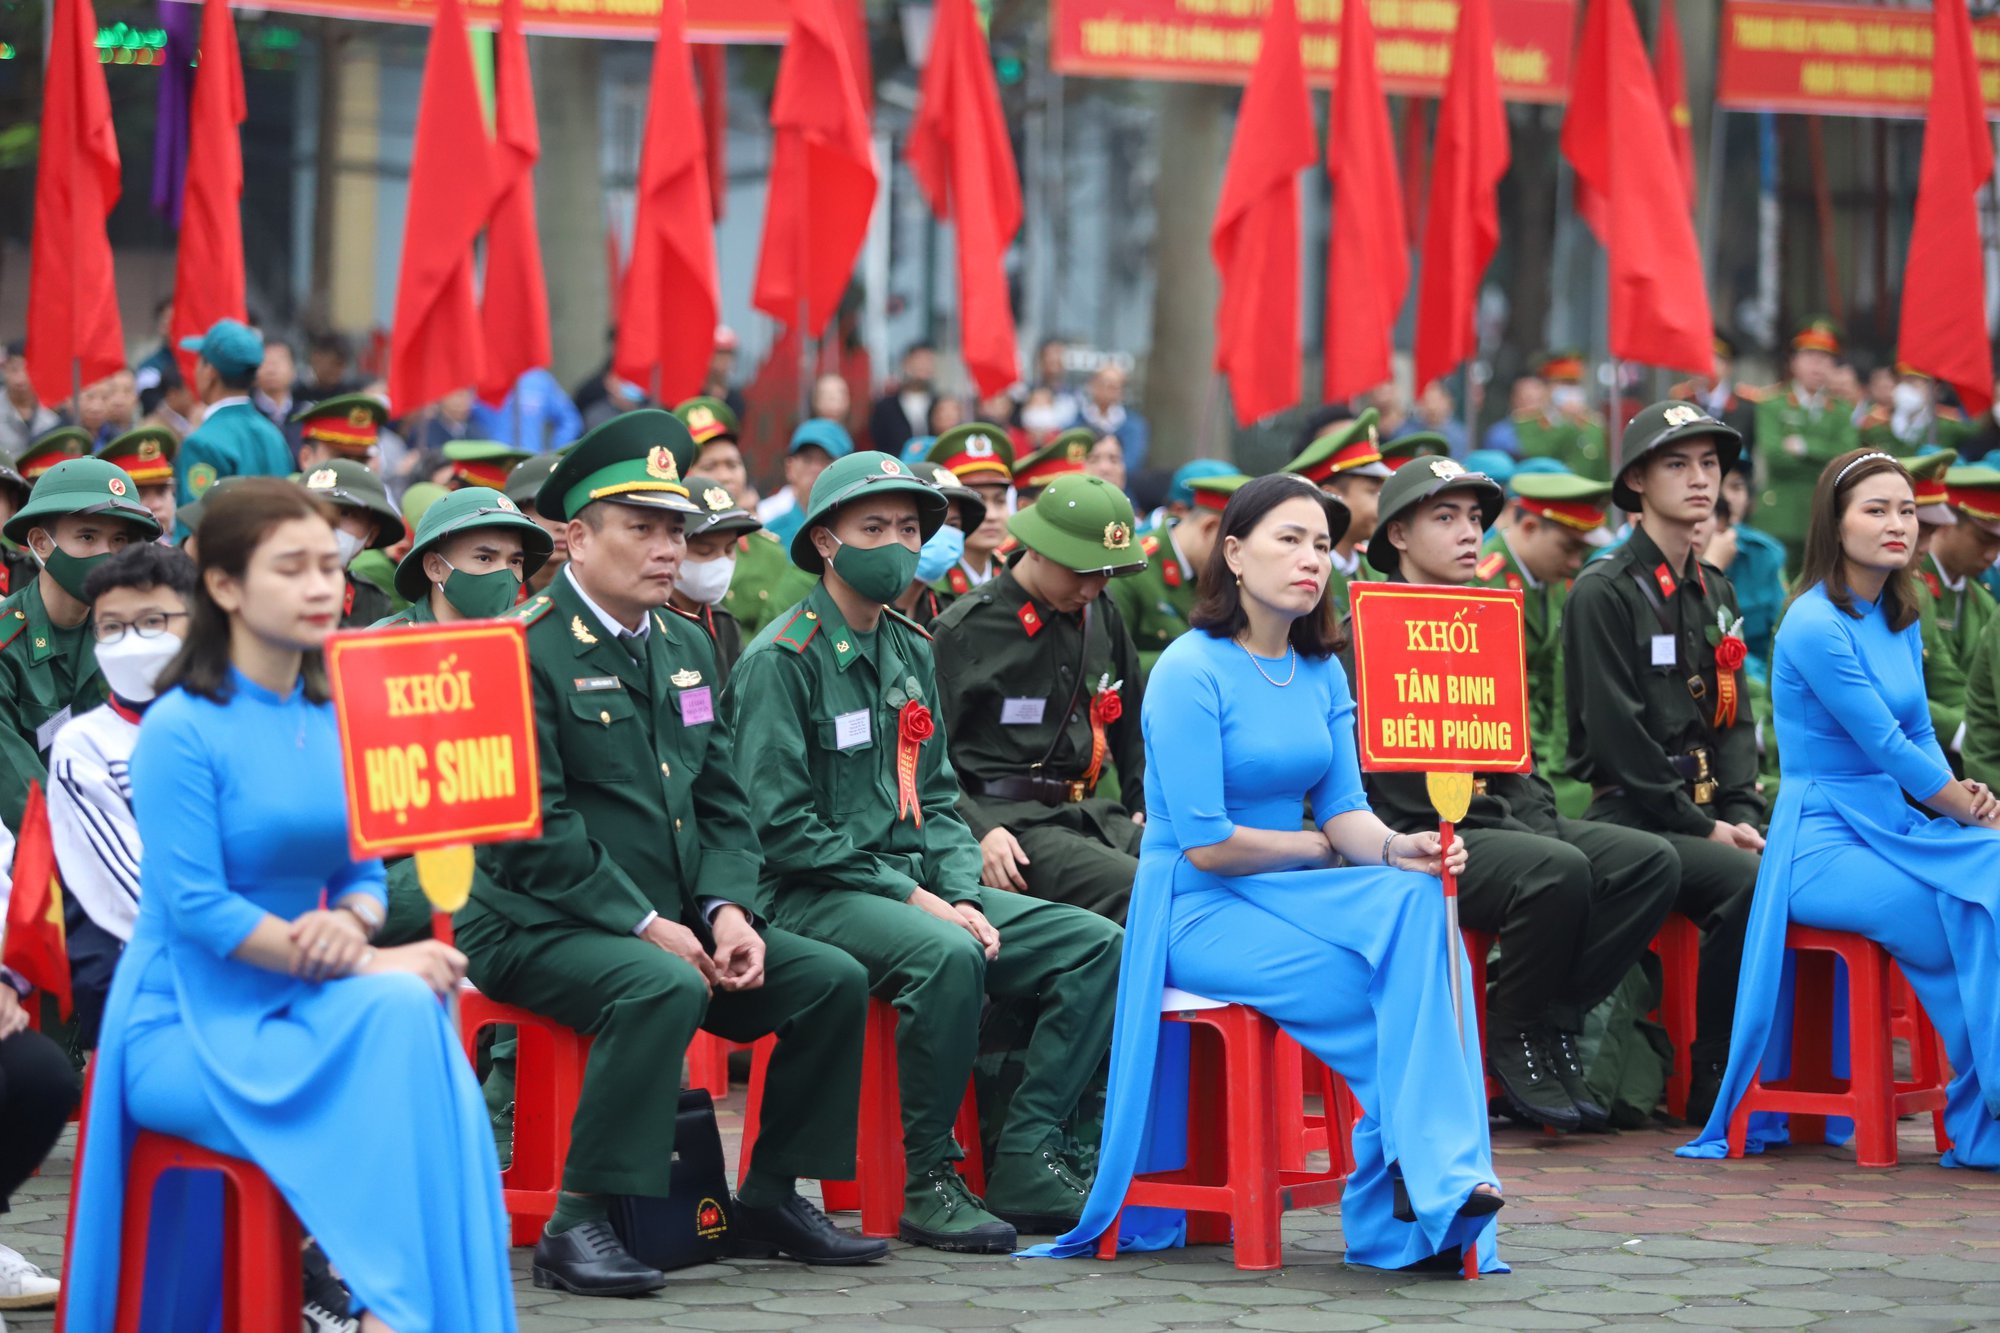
(1183, 400)
(568, 204)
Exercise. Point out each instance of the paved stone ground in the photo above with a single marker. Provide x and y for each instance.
(1601, 1231)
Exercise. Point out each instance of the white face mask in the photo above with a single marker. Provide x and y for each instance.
(1568, 397)
(132, 665)
(706, 581)
(1041, 419)
(349, 544)
(1910, 399)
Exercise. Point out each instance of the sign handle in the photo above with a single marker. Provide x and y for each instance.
(1451, 936)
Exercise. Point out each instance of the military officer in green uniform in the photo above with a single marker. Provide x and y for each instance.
(1346, 462)
(366, 522)
(1157, 601)
(1041, 685)
(347, 425)
(1062, 456)
(718, 455)
(927, 597)
(1659, 721)
(79, 513)
(636, 917)
(982, 458)
(855, 803)
(234, 439)
(1953, 604)
(1801, 428)
(709, 568)
(147, 456)
(482, 462)
(1574, 904)
(1558, 522)
(1568, 431)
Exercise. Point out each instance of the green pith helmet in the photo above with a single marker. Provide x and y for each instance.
(1083, 523)
(1662, 424)
(524, 483)
(636, 459)
(1424, 480)
(721, 515)
(707, 419)
(469, 510)
(81, 486)
(418, 497)
(849, 478)
(349, 484)
(189, 515)
(971, 508)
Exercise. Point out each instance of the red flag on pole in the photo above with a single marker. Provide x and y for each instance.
(1462, 227)
(1368, 268)
(964, 164)
(1670, 69)
(514, 308)
(711, 61)
(1615, 136)
(668, 307)
(73, 328)
(36, 944)
(437, 345)
(823, 178)
(1413, 168)
(1944, 281)
(854, 27)
(1255, 237)
(208, 270)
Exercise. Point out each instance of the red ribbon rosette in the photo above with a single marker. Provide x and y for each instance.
(1730, 654)
(914, 726)
(1105, 708)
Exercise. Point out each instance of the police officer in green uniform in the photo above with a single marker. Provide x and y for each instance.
(1574, 904)
(981, 456)
(1659, 721)
(347, 425)
(1041, 685)
(1954, 605)
(1914, 420)
(1558, 522)
(1801, 428)
(1568, 431)
(482, 462)
(234, 439)
(713, 427)
(709, 568)
(1346, 462)
(854, 801)
(1062, 456)
(636, 916)
(1971, 729)
(927, 597)
(1157, 601)
(1410, 446)
(366, 522)
(79, 513)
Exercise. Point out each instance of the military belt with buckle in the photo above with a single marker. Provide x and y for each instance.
(1048, 791)
(1694, 769)
(1479, 786)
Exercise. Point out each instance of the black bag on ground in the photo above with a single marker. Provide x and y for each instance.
(691, 1225)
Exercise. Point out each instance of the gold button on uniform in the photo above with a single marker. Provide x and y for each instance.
(605, 718)
(677, 826)
(665, 771)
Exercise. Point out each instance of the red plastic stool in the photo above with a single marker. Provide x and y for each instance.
(549, 1062)
(1233, 1175)
(1295, 1072)
(261, 1285)
(1679, 946)
(1478, 945)
(1909, 1024)
(880, 1167)
(1871, 1096)
(708, 1064)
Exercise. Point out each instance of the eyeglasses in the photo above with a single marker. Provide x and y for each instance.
(149, 626)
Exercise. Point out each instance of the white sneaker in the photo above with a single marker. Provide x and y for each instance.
(24, 1286)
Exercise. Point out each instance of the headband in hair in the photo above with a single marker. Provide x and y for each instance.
(1841, 475)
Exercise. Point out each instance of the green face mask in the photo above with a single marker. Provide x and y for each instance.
(69, 571)
(482, 596)
(879, 573)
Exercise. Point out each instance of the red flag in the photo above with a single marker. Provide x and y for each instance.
(36, 945)
(73, 327)
(514, 308)
(854, 28)
(964, 164)
(1462, 227)
(208, 270)
(1670, 70)
(1615, 136)
(711, 61)
(1255, 238)
(437, 346)
(1413, 169)
(1368, 269)
(823, 178)
(1944, 280)
(668, 307)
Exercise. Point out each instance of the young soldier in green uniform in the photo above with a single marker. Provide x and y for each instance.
(1040, 686)
(1574, 904)
(1659, 722)
(926, 598)
(1346, 462)
(863, 849)
(347, 425)
(473, 554)
(367, 522)
(1801, 428)
(709, 566)
(635, 917)
(79, 512)
(1157, 601)
(1568, 431)
(147, 457)
(234, 438)
(1558, 523)
(1953, 604)
(524, 484)
(981, 457)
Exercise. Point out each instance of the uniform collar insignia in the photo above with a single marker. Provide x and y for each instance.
(583, 635)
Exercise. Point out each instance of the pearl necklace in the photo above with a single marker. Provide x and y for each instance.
(1294, 653)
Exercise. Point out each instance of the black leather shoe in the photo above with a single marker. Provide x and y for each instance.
(1521, 1065)
(1704, 1086)
(1569, 1072)
(590, 1260)
(797, 1230)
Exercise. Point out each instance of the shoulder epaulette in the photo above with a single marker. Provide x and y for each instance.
(1756, 393)
(1930, 581)
(958, 581)
(11, 631)
(1877, 415)
(1150, 545)
(896, 615)
(766, 534)
(533, 609)
(1488, 567)
(798, 631)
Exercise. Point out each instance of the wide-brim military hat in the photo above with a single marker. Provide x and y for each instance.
(81, 486)
(1061, 457)
(1406, 449)
(975, 452)
(146, 454)
(853, 477)
(1975, 496)
(1561, 365)
(1083, 523)
(1426, 480)
(636, 459)
(1820, 333)
(352, 484)
(1662, 424)
(483, 462)
(721, 515)
(1350, 448)
(58, 446)
(971, 507)
(347, 423)
(469, 510)
(1567, 500)
(707, 419)
(524, 483)
(1927, 472)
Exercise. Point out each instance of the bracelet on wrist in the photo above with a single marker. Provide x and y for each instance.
(369, 925)
(1387, 843)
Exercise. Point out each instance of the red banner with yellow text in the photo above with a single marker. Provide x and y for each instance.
(1838, 60)
(1215, 41)
(708, 20)
(1440, 679)
(437, 736)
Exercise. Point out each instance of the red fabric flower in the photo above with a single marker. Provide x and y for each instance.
(1107, 706)
(1731, 652)
(914, 723)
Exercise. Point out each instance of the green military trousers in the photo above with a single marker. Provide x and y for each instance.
(642, 1005)
(1062, 960)
(1086, 855)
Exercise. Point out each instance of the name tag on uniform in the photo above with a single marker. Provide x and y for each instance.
(851, 729)
(45, 735)
(697, 707)
(585, 684)
(1022, 712)
(1663, 650)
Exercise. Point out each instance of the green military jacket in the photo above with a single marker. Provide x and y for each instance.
(1981, 749)
(364, 604)
(1947, 429)
(1953, 622)
(722, 631)
(375, 569)
(641, 807)
(1578, 446)
(1338, 579)
(1795, 442)
(233, 440)
(1627, 691)
(416, 613)
(1007, 669)
(820, 708)
(1548, 718)
(1157, 602)
(766, 583)
(47, 675)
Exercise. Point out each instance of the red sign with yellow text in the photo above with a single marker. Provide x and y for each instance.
(1840, 60)
(1216, 41)
(437, 736)
(707, 20)
(1440, 679)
